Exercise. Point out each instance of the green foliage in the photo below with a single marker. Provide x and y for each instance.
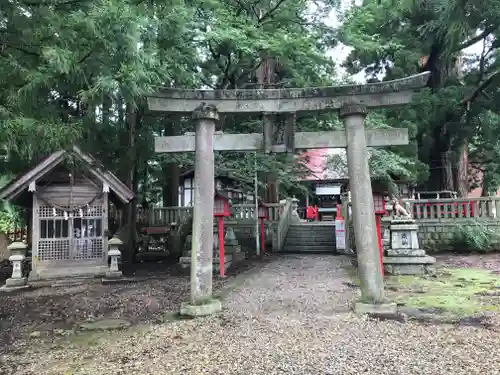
(388, 166)
(475, 237)
(388, 42)
(78, 73)
(10, 218)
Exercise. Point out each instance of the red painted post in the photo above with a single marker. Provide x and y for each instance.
(262, 237)
(379, 240)
(221, 247)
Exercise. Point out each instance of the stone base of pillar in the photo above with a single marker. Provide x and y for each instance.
(411, 265)
(375, 308)
(211, 307)
(16, 283)
(114, 274)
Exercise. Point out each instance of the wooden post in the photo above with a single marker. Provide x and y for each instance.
(262, 237)
(380, 244)
(221, 247)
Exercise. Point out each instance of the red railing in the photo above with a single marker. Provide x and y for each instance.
(452, 208)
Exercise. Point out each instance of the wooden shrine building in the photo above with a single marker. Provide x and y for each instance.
(69, 193)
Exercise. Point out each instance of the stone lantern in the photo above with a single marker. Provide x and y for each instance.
(295, 219)
(115, 253)
(17, 257)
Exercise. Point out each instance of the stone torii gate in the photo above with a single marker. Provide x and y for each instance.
(351, 101)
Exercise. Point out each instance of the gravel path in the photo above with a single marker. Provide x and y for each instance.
(289, 317)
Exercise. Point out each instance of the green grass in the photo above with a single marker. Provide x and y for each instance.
(454, 291)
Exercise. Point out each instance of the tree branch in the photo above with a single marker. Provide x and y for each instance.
(5, 45)
(477, 38)
(45, 3)
(474, 94)
(85, 57)
(271, 11)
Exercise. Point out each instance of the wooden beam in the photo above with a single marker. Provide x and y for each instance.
(303, 140)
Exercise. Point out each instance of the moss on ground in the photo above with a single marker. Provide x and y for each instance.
(459, 291)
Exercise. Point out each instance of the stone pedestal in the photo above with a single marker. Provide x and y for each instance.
(404, 257)
(232, 246)
(232, 251)
(115, 254)
(18, 255)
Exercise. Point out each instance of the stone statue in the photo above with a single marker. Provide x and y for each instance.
(398, 211)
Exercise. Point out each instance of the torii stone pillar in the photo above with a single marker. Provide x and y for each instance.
(202, 302)
(370, 270)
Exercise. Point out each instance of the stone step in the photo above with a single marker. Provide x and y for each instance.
(311, 236)
(293, 241)
(311, 227)
(313, 224)
(308, 242)
(309, 249)
(329, 231)
(76, 281)
(311, 233)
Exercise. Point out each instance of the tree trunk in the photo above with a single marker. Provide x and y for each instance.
(462, 181)
(446, 162)
(265, 79)
(171, 171)
(129, 213)
(442, 174)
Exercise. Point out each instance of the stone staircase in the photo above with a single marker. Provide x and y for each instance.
(311, 238)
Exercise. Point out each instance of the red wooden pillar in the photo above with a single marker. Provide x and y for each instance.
(262, 237)
(379, 240)
(221, 247)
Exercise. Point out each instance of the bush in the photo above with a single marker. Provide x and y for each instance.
(10, 218)
(475, 237)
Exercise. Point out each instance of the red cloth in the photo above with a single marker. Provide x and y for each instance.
(310, 212)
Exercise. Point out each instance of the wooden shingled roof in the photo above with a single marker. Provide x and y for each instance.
(19, 185)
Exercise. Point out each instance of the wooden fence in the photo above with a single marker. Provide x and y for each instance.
(157, 216)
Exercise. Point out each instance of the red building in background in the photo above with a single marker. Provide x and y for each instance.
(325, 181)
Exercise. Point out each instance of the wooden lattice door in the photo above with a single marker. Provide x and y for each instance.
(54, 241)
(87, 227)
(70, 236)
